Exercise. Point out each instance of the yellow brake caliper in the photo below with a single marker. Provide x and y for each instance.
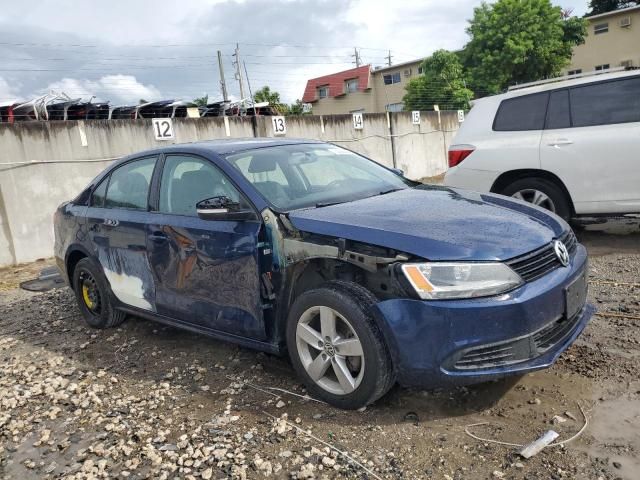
(85, 295)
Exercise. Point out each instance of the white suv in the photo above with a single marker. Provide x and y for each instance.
(569, 145)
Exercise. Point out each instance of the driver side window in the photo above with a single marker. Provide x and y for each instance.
(187, 180)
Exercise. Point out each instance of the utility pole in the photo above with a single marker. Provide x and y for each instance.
(249, 85)
(389, 57)
(223, 84)
(356, 55)
(238, 75)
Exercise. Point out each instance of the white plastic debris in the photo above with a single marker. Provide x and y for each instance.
(536, 446)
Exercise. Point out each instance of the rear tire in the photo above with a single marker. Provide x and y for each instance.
(336, 347)
(94, 296)
(541, 192)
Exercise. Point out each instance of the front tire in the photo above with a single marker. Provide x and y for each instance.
(541, 192)
(335, 346)
(94, 297)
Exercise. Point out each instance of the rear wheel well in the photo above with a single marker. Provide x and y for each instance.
(507, 178)
(72, 260)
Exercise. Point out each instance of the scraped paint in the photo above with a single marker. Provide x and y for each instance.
(128, 289)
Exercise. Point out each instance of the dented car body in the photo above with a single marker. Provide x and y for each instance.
(233, 266)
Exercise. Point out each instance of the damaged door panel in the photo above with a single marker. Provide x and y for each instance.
(117, 227)
(206, 271)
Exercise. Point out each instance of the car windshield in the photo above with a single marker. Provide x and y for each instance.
(314, 175)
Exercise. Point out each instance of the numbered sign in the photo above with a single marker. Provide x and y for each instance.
(358, 123)
(415, 117)
(279, 125)
(162, 128)
(436, 108)
(460, 116)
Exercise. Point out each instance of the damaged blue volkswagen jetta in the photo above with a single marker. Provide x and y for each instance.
(363, 277)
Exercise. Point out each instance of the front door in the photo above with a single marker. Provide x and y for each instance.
(206, 271)
(116, 223)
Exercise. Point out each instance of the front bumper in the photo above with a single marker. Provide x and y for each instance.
(436, 343)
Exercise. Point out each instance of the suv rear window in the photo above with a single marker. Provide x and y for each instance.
(521, 113)
(606, 103)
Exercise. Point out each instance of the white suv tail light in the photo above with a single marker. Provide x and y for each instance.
(457, 153)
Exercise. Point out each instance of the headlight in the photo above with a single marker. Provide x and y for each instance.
(445, 280)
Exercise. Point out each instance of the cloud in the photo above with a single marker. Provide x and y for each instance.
(8, 92)
(144, 48)
(114, 88)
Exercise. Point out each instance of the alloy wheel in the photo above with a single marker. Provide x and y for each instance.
(330, 350)
(536, 197)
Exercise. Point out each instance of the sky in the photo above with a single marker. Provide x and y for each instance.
(123, 51)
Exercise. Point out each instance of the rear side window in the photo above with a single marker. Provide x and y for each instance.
(129, 185)
(558, 115)
(606, 103)
(521, 113)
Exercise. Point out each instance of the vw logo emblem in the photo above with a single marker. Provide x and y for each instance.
(329, 349)
(561, 252)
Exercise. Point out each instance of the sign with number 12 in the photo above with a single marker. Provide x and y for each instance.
(162, 128)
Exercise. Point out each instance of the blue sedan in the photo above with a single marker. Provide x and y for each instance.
(363, 277)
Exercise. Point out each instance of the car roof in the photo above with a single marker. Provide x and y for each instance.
(224, 146)
(563, 82)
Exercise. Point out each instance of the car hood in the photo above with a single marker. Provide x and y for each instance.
(437, 223)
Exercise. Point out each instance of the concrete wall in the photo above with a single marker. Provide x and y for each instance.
(43, 164)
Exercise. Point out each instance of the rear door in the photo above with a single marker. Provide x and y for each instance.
(206, 271)
(514, 142)
(117, 224)
(591, 142)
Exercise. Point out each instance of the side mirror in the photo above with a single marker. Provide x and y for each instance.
(223, 208)
(398, 171)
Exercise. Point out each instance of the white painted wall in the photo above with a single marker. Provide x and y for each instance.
(30, 193)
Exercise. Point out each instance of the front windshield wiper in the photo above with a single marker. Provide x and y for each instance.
(391, 190)
(327, 204)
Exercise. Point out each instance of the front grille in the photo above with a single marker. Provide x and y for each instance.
(538, 263)
(487, 357)
(515, 350)
(553, 333)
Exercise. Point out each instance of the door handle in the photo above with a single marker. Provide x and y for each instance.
(158, 237)
(560, 141)
(109, 222)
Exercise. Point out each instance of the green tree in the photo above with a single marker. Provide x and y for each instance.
(442, 83)
(296, 108)
(201, 101)
(517, 41)
(266, 95)
(604, 6)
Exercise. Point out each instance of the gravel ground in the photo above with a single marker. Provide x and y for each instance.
(148, 401)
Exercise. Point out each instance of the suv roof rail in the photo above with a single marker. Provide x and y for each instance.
(568, 77)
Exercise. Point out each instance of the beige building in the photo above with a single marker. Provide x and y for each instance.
(613, 40)
(361, 89)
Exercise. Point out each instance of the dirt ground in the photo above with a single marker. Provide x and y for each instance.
(148, 401)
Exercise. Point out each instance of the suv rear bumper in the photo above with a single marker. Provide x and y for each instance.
(431, 342)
